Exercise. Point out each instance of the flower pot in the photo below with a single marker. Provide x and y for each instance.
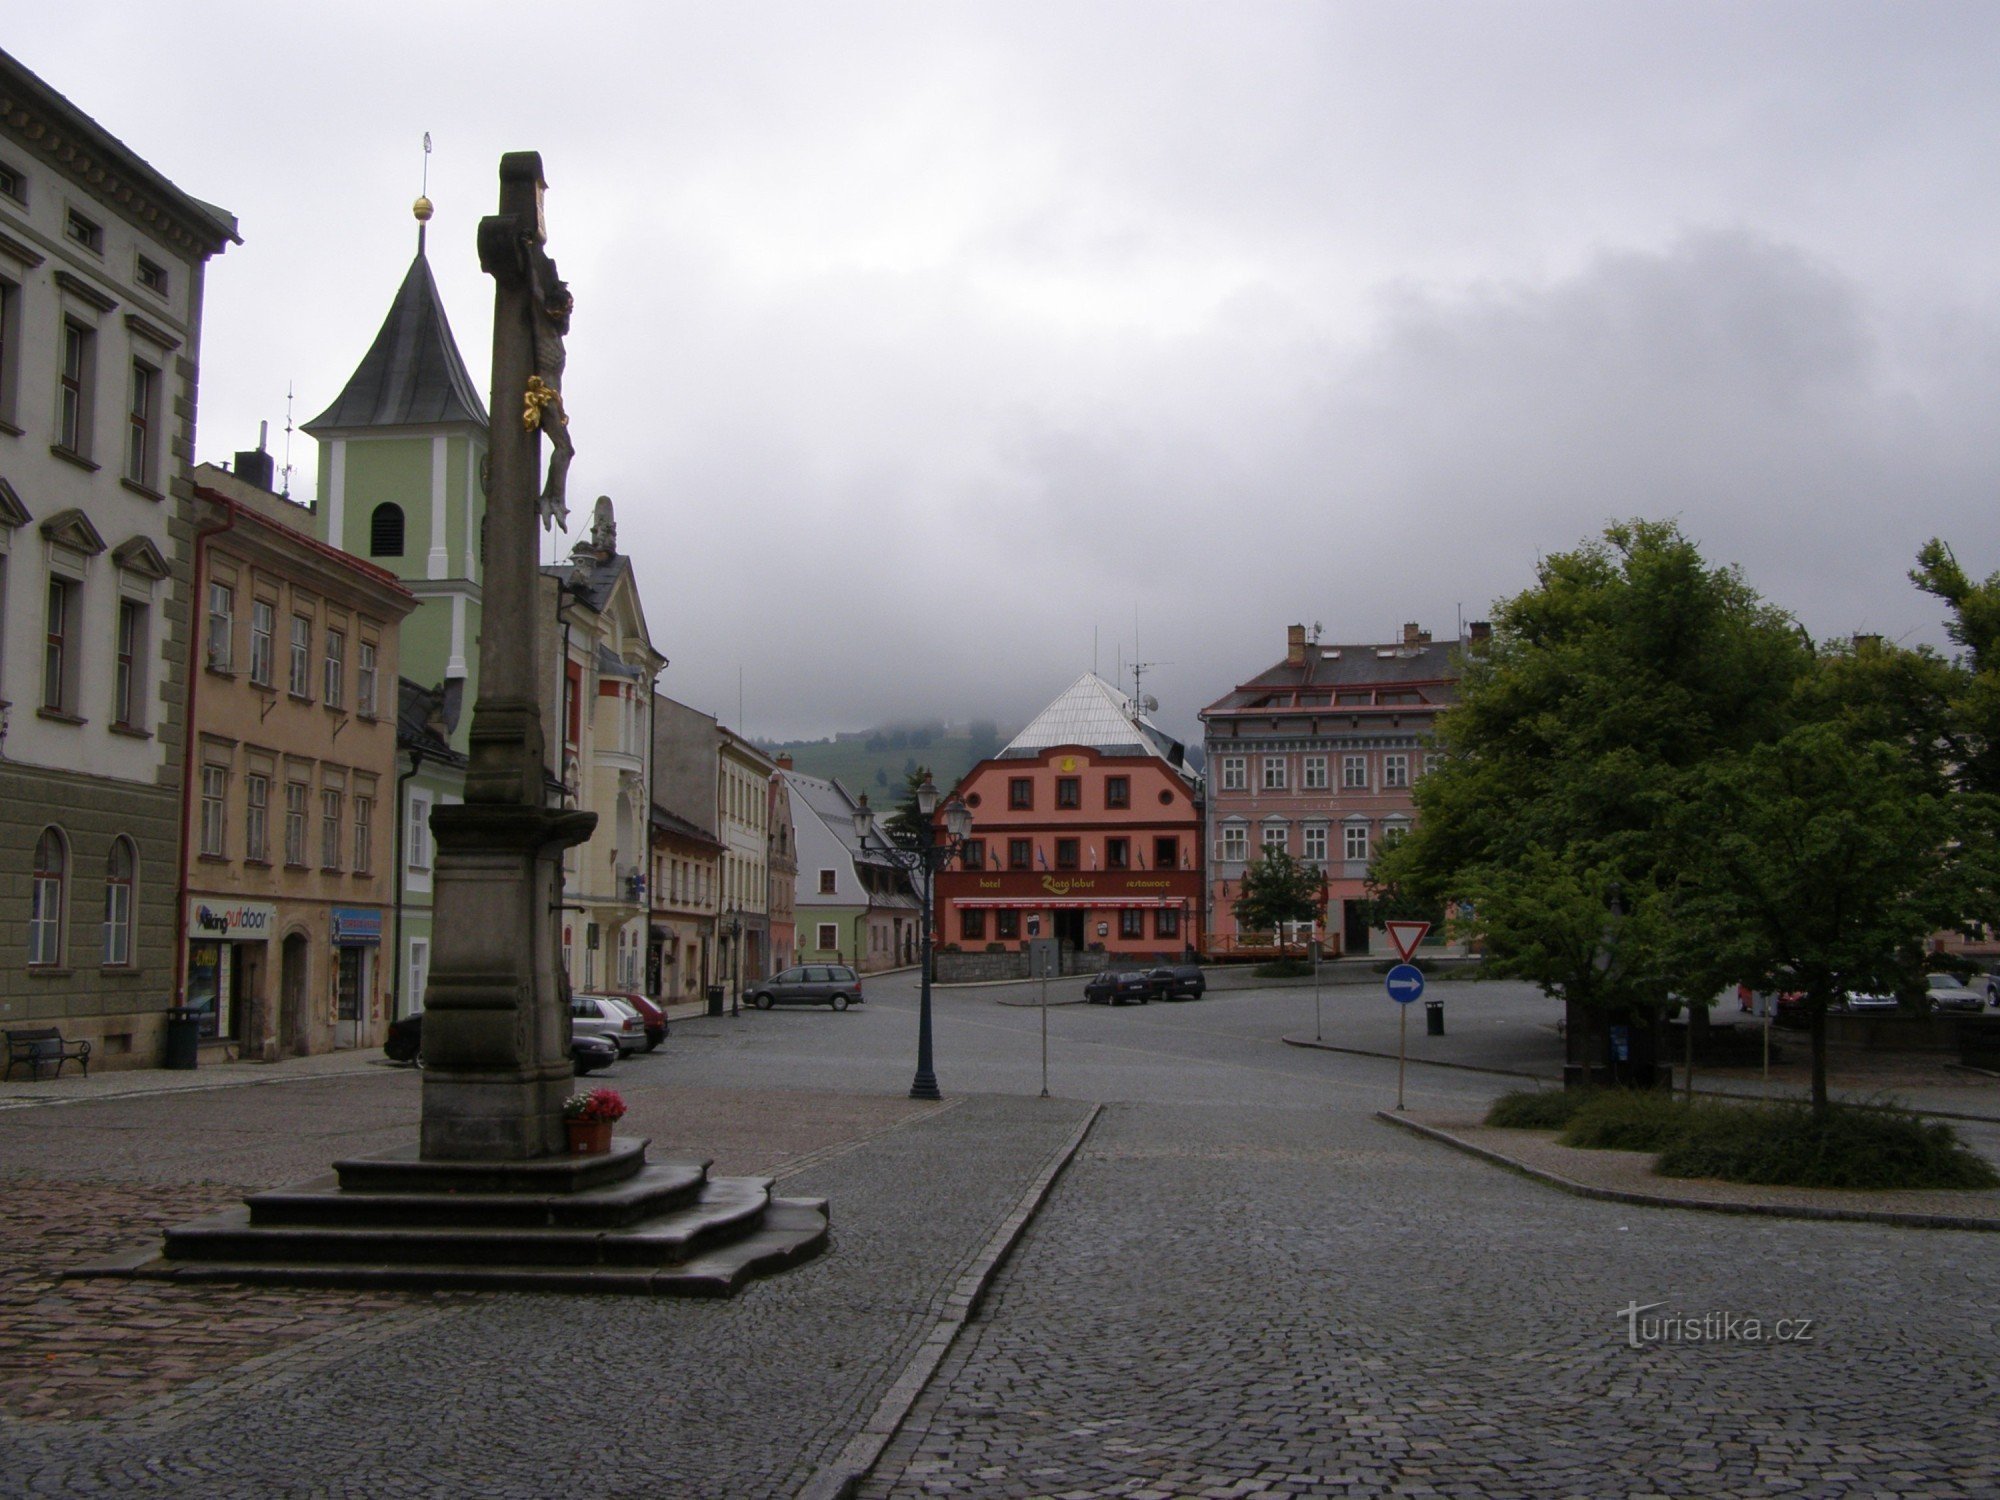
(589, 1137)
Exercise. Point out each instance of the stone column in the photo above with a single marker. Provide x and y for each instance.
(496, 1021)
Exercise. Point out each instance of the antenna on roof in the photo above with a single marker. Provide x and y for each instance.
(422, 207)
(1141, 704)
(285, 488)
(1318, 631)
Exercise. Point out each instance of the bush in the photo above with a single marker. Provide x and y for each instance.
(1536, 1109)
(1627, 1120)
(1852, 1146)
(1284, 968)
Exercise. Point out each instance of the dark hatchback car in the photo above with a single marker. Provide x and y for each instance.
(809, 984)
(1120, 987)
(1179, 982)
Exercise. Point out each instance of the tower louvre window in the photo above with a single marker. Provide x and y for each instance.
(385, 531)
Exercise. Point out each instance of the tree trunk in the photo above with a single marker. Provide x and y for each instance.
(1816, 1019)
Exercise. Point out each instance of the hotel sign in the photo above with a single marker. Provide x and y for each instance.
(1070, 886)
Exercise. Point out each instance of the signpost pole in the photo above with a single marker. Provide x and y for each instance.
(1316, 1035)
(1402, 1050)
(1044, 966)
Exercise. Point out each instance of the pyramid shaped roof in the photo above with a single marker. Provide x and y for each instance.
(412, 375)
(1092, 713)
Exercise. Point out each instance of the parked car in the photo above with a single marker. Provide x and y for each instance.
(1949, 992)
(651, 1014)
(1179, 982)
(1993, 989)
(587, 1051)
(1119, 987)
(608, 1016)
(809, 984)
(1858, 1001)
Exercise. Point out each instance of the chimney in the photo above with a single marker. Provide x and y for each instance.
(1479, 632)
(1867, 643)
(255, 467)
(1413, 636)
(784, 763)
(1295, 646)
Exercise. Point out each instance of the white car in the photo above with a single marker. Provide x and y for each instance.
(1857, 1002)
(1948, 993)
(610, 1018)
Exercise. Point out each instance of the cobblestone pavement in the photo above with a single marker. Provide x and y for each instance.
(1221, 1302)
(1244, 1284)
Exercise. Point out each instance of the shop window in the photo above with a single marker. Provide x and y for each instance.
(1131, 923)
(972, 926)
(1007, 925)
(1167, 922)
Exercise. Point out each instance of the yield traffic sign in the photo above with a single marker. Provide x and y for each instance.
(1406, 936)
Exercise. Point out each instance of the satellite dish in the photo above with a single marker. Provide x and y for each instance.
(1149, 704)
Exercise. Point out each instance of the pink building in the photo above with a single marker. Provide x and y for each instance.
(1316, 756)
(1087, 830)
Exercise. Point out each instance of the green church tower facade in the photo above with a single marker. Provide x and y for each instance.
(401, 454)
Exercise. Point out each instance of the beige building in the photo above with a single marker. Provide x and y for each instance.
(782, 872)
(290, 874)
(602, 711)
(685, 878)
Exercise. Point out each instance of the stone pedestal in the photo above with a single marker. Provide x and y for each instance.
(496, 1028)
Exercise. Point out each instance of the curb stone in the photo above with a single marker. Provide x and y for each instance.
(1702, 1205)
(839, 1479)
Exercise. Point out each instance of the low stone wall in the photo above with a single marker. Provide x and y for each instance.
(996, 968)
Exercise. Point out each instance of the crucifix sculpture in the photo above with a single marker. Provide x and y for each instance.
(496, 1025)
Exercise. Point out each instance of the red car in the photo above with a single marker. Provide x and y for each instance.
(651, 1014)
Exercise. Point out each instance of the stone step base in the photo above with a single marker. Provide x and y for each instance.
(654, 1189)
(785, 1233)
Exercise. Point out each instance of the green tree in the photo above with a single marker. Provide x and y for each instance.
(903, 824)
(1277, 889)
(1627, 667)
(1827, 862)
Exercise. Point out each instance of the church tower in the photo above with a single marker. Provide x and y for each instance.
(401, 451)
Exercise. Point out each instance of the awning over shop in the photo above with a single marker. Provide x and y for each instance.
(1068, 903)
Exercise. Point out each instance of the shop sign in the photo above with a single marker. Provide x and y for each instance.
(230, 921)
(355, 925)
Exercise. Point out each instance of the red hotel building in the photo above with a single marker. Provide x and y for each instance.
(1087, 828)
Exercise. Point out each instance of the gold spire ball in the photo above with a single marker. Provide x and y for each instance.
(422, 209)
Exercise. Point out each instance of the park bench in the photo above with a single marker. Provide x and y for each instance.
(43, 1044)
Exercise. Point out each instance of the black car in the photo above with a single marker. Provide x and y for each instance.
(1120, 987)
(1179, 982)
(405, 1043)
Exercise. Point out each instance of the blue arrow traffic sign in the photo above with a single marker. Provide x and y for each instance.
(1405, 983)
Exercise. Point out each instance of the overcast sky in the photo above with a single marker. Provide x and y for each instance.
(926, 349)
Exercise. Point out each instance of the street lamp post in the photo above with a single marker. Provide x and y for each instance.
(923, 859)
(736, 962)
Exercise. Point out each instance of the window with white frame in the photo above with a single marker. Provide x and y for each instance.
(1315, 842)
(10, 340)
(1312, 774)
(329, 828)
(1235, 841)
(1395, 770)
(62, 624)
(1354, 842)
(364, 835)
(417, 839)
(364, 680)
(263, 627)
(257, 817)
(221, 627)
(829, 937)
(1354, 772)
(334, 690)
(141, 420)
(301, 674)
(295, 822)
(1430, 764)
(1274, 773)
(45, 905)
(73, 391)
(1274, 836)
(420, 974)
(120, 870)
(214, 802)
(1234, 772)
(128, 682)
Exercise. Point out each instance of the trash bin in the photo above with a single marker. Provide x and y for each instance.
(715, 999)
(1434, 1018)
(183, 1038)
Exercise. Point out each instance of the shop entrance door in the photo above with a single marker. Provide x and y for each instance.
(348, 1001)
(1069, 930)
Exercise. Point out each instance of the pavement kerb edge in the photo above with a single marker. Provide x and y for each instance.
(841, 1478)
(1700, 1205)
(1423, 1062)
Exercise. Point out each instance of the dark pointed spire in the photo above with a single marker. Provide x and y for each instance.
(412, 375)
